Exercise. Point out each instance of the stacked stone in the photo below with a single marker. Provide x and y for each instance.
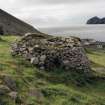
(49, 53)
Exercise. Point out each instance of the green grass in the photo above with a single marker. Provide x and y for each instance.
(97, 59)
(50, 88)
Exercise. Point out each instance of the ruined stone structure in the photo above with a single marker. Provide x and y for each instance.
(9, 25)
(49, 52)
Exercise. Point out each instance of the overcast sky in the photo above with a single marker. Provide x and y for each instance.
(52, 13)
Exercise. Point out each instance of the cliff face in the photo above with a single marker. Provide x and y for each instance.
(11, 25)
(96, 20)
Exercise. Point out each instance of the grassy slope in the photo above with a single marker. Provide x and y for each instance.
(50, 88)
(97, 60)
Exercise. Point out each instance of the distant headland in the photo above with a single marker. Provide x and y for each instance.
(96, 20)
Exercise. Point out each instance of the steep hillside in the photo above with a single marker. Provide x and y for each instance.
(23, 84)
(12, 26)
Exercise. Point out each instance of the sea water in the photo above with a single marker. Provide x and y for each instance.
(96, 32)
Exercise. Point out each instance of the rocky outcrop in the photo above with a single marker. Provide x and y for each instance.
(50, 53)
(96, 20)
(10, 25)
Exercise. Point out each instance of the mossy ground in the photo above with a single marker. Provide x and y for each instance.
(56, 88)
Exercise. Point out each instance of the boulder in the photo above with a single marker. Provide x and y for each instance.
(50, 52)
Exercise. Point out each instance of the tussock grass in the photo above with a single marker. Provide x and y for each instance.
(56, 88)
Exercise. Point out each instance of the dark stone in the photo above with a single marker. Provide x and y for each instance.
(10, 83)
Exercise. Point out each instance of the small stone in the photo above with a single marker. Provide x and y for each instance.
(27, 56)
(66, 62)
(42, 68)
(36, 46)
(34, 60)
(42, 58)
(13, 95)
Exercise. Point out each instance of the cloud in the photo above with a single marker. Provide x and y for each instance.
(44, 13)
(50, 2)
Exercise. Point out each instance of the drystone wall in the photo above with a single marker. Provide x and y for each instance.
(49, 52)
